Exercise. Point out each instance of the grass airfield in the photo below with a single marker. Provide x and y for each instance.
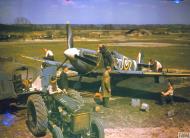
(175, 55)
(121, 120)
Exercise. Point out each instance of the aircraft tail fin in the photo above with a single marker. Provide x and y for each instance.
(140, 57)
(69, 35)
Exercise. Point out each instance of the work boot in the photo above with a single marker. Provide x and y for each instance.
(106, 102)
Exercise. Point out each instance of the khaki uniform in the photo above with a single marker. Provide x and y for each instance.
(106, 87)
(98, 59)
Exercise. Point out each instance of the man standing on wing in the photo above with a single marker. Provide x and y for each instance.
(48, 54)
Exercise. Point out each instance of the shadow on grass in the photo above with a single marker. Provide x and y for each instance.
(148, 95)
(127, 92)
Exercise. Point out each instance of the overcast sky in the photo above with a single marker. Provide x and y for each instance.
(96, 11)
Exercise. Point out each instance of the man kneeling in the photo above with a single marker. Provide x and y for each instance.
(168, 94)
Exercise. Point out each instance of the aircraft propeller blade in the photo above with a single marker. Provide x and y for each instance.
(53, 63)
(69, 36)
(63, 62)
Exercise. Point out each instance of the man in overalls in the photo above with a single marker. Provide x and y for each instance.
(106, 86)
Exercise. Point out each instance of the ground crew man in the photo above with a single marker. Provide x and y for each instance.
(155, 65)
(53, 88)
(48, 54)
(106, 87)
(98, 55)
(63, 82)
(168, 94)
(107, 56)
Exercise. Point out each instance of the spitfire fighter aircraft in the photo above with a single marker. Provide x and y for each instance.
(86, 63)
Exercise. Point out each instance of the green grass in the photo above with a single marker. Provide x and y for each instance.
(171, 57)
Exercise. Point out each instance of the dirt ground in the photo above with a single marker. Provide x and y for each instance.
(122, 120)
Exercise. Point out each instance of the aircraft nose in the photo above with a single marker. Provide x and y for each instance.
(71, 52)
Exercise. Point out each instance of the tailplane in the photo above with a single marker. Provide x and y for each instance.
(69, 36)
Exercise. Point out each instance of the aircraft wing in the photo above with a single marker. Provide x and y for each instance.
(144, 65)
(53, 63)
(127, 74)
